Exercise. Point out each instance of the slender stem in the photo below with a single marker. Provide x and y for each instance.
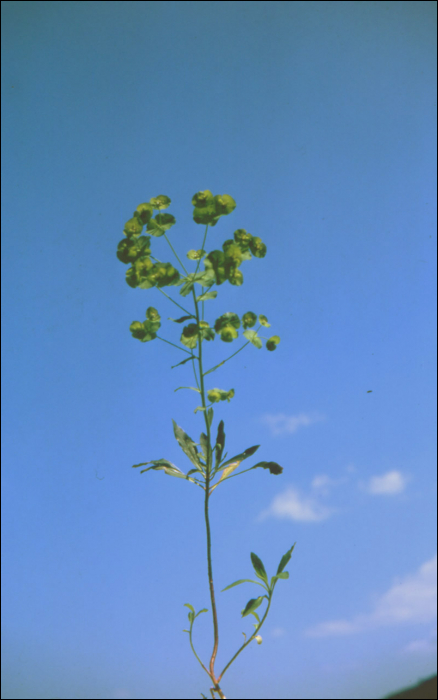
(228, 358)
(193, 649)
(207, 521)
(248, 641)
(175, 254)
(203, 244)
(175, 302)
(175, 346)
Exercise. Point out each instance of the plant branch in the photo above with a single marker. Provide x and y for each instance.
(175, 254)
(248, 641)
(175, 346)
(175, 302)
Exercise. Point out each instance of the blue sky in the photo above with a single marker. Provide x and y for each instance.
(318, 118)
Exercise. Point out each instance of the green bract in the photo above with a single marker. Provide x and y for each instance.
(158, 226)
(147, 330)
(249, 319)
(235, 277)
(160, 202)
(233, 254)
(272, 343)
(144, 212)
(257, 247)
(129, 249)
(264, 321)
(133, 227)
(195, 254)
(216, 261)
(215, 395)
(228, 319)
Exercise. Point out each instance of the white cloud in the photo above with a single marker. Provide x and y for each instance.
(280, 423)
(294, 506)
(388, 484)
(411, 600)
(278, 632)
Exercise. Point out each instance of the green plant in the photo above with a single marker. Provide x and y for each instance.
(146, 272)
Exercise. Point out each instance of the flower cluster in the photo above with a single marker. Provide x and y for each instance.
(135, 248)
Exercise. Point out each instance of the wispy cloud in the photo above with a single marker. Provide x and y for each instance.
(412, 599)
(278, 632)
(424, 645)
(388, 484)
(293, 505)
(280, 423)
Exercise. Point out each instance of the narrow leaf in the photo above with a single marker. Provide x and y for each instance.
(186, 443)
(242, 580)
(188, 387)
(259, 568)
(205, 446)
(180, 320)
(251, 605)
(220, 443)
(199, 408)
(184, 361)
(243, 455)
(274, 579)
(187, 605)
(201, 611)
(285, 559)
(210, 416)
(226, 472)
(206, 296)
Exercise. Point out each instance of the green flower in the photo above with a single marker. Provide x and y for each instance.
(216, 395)
(233, 254)
(160, 202)
(242, 238)
(249, 319)
(195, 254)
(202, 199)
(133, 227)
(257, 247)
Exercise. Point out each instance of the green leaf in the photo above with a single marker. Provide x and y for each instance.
(205, 445)
(253, 338)
(272, 343)
(273, 467)
(180, 320)
(189, 336)
(199, 408)
(242, 580)
(259, 568)
(187, 287)
(251, 605)
(206, 296)
(183, 362)
(220, 443)
(256, 617)
(264, 321)
(186, 443)
(285, 559)
(187, 605)
(201, 611)
(243, 455)
(228, 319)
(284, 575)
(188, 387)
(210, 417)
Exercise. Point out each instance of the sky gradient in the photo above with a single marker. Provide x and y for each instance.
(319, 119)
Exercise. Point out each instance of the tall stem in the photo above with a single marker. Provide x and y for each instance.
(207, 495)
